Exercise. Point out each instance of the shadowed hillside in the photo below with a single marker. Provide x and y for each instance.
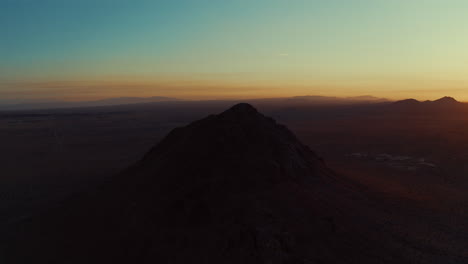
(231, 188)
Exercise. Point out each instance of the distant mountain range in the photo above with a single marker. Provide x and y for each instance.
(281, 101)
(298, 100)
(32, 104)
(363, 98)
(444, 103)
(319, 100)
(446, 100)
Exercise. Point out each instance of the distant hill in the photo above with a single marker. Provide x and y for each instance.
(337, 100)
(129, 100)
(446, 100)
(64, 104)
(444, 103)
(283, 101)
(407, 102)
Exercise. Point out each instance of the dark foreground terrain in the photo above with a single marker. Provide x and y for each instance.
(386, 184)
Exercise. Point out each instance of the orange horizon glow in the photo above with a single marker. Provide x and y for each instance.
(87, 50)
(241, 88)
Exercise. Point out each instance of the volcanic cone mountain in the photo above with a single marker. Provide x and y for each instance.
(231, 188)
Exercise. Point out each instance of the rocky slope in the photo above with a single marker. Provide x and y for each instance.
(231, 188)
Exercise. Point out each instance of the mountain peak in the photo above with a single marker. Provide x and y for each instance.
(241, 139)
(243, 108)
(410, 101)
(241, 111)
(446, 99)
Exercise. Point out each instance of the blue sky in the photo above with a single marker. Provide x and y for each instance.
(82, 48)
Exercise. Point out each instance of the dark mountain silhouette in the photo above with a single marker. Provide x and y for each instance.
(231, 188)
(439, 106)
(45, 104)
(407, 102)
(317, 99)
(16, 105)
(445, 101)
(128, 100)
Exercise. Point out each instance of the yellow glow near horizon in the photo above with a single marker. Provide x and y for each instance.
(231, 88)
(200, 49)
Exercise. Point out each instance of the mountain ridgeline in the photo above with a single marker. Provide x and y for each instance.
(445, 101)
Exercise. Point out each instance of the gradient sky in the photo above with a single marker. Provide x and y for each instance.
(91, 49)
